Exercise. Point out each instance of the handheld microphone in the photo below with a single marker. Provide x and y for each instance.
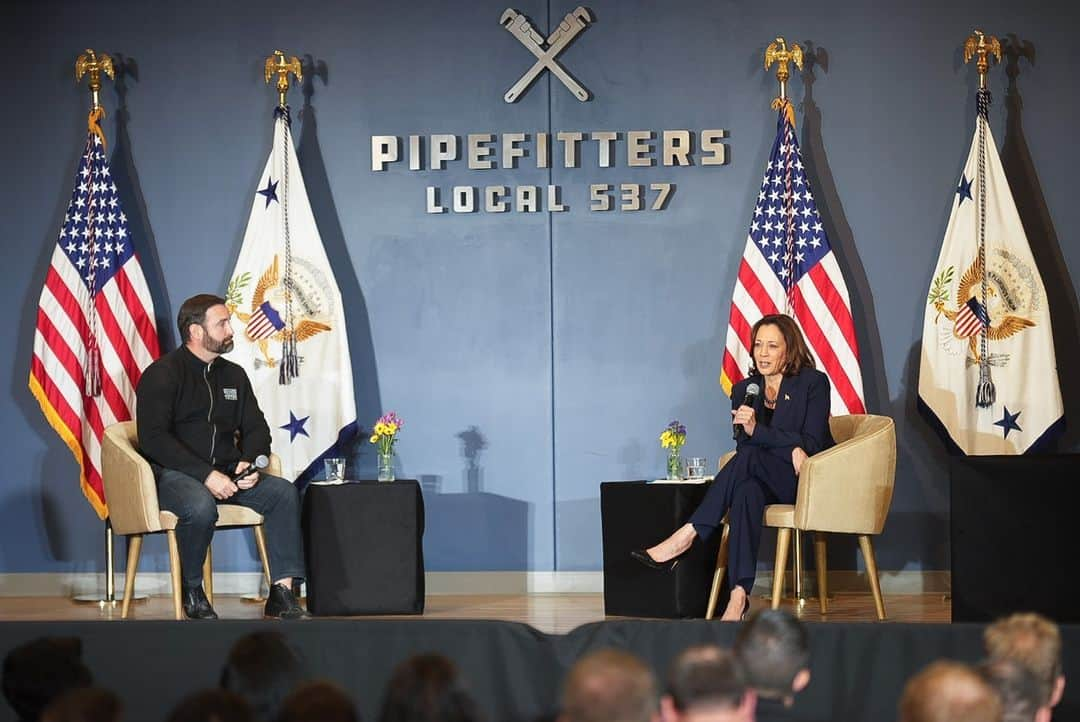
(752, 391)
(261, 462)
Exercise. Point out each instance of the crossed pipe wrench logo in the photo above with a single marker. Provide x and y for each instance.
(518, 26)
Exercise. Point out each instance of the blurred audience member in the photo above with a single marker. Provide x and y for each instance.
(706, 684)
(318, 701)
(1035, 642)
(949, 692)
(774, 652)
(427, 688)
(1023, 698)
(609, 686)
(39, 671)
(263, 669)
(84, 704)
(212, 705)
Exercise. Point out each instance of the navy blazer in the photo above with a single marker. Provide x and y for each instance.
(801, 416)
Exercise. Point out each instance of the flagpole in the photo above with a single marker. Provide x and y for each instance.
(280, 66)
(981, 46)
(92, 65)
(778, 52)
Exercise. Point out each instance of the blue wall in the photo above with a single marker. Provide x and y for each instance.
(532, 355)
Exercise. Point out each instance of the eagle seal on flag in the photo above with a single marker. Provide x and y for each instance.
(265, 323)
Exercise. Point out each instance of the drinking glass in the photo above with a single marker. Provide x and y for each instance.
(335, 469)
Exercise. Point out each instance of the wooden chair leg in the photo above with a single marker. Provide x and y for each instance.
(718, 574)
(260, 544)
(174, 573)
(783, 541)
(208, 575)
(134, 549)
(871, 571)
(819, 563)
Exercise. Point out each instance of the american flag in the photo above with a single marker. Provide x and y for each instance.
(971, 319)
(789, 267)
(264, 323)
(95, 323)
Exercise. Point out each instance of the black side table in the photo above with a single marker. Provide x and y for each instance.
(635, 515)
(363, 544)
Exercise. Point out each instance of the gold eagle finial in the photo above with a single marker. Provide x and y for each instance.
(982, 45)
(278, 64)
(94, 64)
(779, 53)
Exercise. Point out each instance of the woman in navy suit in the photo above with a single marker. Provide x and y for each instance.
(786, 423)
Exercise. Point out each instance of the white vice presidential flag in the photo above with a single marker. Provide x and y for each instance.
(289, 323)
(988, 375)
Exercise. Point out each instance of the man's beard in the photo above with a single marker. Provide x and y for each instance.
(214, 346)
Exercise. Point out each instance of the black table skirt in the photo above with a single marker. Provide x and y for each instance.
(363, 544)
(635, 515)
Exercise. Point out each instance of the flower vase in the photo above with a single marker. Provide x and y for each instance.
(386, 466)
(674, 465)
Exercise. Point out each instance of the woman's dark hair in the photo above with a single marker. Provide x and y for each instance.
(84, 704)
(798, 356)
(319, 701)
(194, 310)
(263, 669)
(427, 688)
(212, 705)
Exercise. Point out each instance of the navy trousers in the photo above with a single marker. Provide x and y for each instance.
(754, 478)
(273, 497)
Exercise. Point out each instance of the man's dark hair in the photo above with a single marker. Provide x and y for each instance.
(194, 310)
(706, 676)
(427, 688)
(772, 648)
(212, 705)
(84, 704)
(263, 669)
(39, 671)
(1021, 691)
(319, 701)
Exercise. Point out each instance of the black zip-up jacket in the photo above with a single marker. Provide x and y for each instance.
(195, 417)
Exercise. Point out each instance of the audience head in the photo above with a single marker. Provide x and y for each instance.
(39, 671)
(318, 701)
(427, 688)
(263, 669)
(84, 704)
(212, 705)
(1023, 698)
(949, 692)
(706, 684)
(1033, 641)
(774, 651)
(609, 686)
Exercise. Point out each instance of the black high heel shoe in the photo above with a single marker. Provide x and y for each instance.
(642, 556)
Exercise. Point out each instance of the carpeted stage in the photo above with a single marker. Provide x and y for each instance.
(858, 668)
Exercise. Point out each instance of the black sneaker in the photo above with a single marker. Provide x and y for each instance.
(196, 605)
(281, 604)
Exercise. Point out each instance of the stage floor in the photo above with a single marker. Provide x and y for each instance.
(548, 613)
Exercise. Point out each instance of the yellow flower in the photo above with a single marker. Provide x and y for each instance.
(391, 428)
(374, 438)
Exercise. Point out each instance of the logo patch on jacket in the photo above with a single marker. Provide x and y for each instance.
(230, 394)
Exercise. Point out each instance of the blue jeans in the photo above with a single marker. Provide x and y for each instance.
(273, 497)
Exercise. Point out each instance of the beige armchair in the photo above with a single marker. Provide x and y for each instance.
(845, 489)
(131, 493)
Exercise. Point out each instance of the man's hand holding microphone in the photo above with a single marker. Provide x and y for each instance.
(222, 486)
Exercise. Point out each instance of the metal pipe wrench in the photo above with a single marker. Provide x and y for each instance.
(518, 26)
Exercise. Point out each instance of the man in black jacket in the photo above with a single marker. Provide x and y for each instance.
(200, 426)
